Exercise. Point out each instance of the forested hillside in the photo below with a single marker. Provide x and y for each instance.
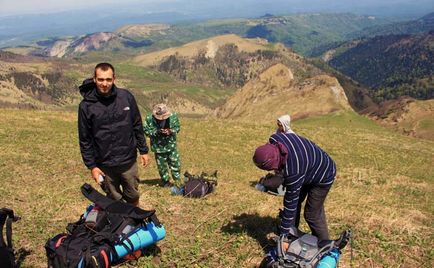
(391, 65)
(421, 25)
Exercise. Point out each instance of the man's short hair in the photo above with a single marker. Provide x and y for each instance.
(104, 66)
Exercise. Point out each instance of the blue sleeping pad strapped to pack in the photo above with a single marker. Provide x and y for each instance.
(330, 260)
(304, 252)
(140, 238)
(108, 233)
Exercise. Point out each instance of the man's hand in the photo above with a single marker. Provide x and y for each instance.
(96, 172)
(166, 131)
(144, 159)
(285, 246)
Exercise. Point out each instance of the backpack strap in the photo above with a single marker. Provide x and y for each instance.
(203, 177)
(6, 216)
(321, 252)
(118, 207)
(280, 251)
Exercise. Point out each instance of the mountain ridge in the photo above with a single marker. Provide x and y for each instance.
(275, 92)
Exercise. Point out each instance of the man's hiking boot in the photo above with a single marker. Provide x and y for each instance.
(342, 241)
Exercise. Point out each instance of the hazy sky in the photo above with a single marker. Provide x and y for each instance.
(14, 7)
(17, 7)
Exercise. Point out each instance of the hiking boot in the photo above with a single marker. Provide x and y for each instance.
(342, 241)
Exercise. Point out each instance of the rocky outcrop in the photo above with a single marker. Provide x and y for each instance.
(276, 92)
(92, 42)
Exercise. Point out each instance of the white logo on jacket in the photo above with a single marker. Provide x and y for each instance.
(127, 108)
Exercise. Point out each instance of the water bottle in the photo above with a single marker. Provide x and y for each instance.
(260, 187)
(177, 191)
(91, 216)
(330, 260)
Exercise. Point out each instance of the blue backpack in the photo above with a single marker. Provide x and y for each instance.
(304, 251)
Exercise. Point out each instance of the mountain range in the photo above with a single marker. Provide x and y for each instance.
(302, 32)
(31, 21)
(211, 68)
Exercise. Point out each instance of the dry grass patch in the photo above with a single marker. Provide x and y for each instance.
(383, 190)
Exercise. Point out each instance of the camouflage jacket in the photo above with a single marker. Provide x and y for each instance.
(161, 143)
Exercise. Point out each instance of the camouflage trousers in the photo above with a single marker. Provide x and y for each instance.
(171, 160)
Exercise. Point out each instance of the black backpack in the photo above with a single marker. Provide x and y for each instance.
(199, 186)
(93, 245)
(273, 183)
(7, 256)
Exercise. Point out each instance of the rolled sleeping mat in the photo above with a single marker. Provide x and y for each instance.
(142, 237)
(330, 260)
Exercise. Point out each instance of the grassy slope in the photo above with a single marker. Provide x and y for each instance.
(144, 81)
(383, 190)
(147, 84)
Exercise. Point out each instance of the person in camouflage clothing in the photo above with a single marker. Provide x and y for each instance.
(162, 126)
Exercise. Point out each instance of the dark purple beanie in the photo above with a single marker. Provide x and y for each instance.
(267, 157)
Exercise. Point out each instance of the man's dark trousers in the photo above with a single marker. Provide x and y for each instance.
(314, 213)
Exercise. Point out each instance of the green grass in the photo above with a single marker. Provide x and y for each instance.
(137, 72)
(427, 123)
(383, 190)
(148, 85)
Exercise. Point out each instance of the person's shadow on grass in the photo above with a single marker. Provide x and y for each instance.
(256, 226)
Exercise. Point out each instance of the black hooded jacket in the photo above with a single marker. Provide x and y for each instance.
(110, 127)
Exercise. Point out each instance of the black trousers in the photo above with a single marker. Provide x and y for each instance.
(314, 212)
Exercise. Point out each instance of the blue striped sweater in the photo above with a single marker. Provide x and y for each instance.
(307, 164)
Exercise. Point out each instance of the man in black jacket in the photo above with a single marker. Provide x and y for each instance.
(110, 132)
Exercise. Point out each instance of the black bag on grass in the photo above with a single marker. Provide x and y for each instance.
(93, 239)
(273, 183)
(79, 250)
(199, 186)
(7, 256)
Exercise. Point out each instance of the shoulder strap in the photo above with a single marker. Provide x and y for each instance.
(280, 251)
(321, 252)
(6, 216)
(117, 207)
